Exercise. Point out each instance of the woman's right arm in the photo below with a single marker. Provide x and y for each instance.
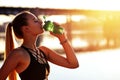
(9, 65)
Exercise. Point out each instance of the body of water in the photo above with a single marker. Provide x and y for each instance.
(96, 65)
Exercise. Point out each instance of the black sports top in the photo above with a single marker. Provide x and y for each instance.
(38, 68)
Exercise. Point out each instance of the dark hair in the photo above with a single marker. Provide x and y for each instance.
(19, 21)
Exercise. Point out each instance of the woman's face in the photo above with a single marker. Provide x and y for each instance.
(35, 25)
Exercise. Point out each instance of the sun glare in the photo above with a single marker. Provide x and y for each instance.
(77, 17)
(78, 43)
(4, 18)
(61, 18)
(50, 41)
(2, 45)
(65, 4)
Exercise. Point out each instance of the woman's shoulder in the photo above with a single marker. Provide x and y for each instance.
(20, 52)
(45, 50)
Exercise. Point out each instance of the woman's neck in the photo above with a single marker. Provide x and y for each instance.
(29, 43)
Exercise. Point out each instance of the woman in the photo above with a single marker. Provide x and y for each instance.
(29, 61)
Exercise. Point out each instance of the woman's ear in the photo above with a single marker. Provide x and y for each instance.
(25, 29)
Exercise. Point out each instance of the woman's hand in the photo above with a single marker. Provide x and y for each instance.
(62, 36)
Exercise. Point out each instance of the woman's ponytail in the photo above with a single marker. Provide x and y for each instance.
(9, 46)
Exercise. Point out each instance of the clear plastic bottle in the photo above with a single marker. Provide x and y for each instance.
(49, 26)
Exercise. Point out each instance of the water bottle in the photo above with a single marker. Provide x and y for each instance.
(49, 26)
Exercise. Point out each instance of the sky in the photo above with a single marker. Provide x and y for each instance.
(64, 4)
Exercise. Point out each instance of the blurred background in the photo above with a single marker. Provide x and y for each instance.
(92, 28)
